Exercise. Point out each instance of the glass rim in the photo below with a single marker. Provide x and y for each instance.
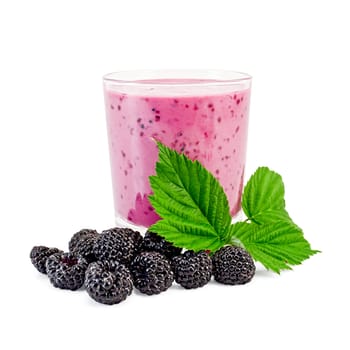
(196, 77)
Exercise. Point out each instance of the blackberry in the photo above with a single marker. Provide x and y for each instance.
(156, 243)
(192, 270)
(114, 244)
(39, 255)
(151, 273)
(66, 270)
(85, 247)
(233, 265)
(136, 237)
(108, 282)
(79, 236)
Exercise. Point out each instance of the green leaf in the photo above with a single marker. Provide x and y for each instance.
(263, 197)
(238, 231)
(191, 202)
(276, 245)
(195, 213)
(195, 237)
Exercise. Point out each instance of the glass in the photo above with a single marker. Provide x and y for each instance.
(202, 113)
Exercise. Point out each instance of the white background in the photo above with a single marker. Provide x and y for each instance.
(55, 176)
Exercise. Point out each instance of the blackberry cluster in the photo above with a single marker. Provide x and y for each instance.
(152, 273)
(98, 261)
(233, 265)
(192, 270)
(110, 264)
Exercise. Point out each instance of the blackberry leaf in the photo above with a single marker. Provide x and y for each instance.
(263, 197)
(193, 206)
(276, 245)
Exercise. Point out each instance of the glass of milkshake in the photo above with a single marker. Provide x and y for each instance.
(201, 113)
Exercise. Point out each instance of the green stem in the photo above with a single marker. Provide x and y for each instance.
(236, 242)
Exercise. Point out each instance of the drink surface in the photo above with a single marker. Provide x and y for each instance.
(210, 126)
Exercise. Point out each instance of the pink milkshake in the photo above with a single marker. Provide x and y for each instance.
(204, 117)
